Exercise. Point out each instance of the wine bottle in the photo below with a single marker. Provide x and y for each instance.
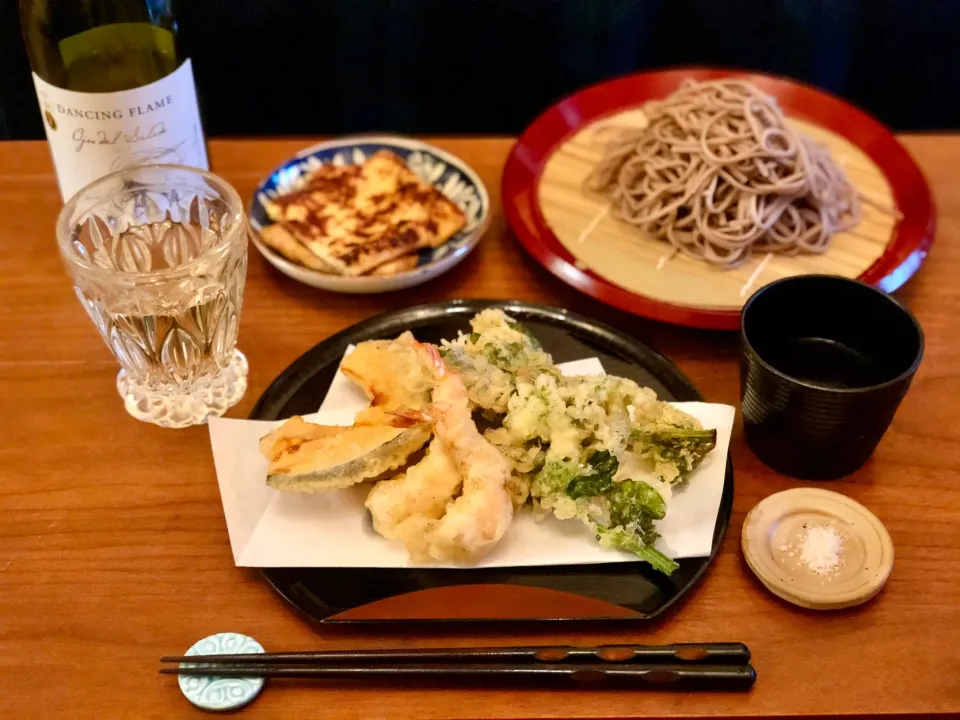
(113, 90)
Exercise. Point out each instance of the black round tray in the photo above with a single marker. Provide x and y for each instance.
(626, 591)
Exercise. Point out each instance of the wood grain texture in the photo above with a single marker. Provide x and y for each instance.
(629, 258)
(113, 548)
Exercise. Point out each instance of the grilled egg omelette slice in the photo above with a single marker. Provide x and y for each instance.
(352, 219)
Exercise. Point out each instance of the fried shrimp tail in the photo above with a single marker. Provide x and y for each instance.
(461, 469)
(394, 374)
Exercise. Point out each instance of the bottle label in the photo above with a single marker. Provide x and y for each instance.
(94, 134)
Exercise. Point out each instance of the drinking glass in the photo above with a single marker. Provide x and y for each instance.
(158, 259)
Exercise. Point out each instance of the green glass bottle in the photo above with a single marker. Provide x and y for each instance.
(113, 89)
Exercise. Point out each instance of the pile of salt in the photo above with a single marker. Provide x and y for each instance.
(821, 549)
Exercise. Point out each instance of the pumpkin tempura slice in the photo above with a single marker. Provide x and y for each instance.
(304, 457)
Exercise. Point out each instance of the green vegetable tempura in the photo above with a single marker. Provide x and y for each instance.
(598, 448)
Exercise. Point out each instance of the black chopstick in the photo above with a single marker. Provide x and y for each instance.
(687, 653)
(663, 677)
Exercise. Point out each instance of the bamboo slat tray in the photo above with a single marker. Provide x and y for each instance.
(573, 234)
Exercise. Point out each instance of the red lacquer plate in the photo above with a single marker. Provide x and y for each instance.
(910, 239)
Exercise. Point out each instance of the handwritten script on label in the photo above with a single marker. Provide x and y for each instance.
(93, 134)
(102, 137)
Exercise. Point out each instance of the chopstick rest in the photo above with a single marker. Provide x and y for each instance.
(217, 692)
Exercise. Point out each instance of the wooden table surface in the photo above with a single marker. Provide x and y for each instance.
(114, 551)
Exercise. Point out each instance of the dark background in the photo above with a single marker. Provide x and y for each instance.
(309, 67)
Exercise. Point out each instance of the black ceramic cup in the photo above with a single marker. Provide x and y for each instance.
(825, 362)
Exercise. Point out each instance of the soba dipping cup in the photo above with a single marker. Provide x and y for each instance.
(825, 362)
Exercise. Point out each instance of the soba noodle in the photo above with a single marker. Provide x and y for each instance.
(718, 174)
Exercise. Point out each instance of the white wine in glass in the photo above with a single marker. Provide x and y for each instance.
(158, 259)
(113, 88)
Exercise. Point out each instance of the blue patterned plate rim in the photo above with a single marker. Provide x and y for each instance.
(455, 175)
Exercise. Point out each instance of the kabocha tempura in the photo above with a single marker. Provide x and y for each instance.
(598, 448)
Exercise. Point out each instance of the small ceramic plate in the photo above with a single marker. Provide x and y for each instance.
(817, 549)
(449, 174)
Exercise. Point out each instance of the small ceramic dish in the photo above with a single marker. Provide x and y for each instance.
(448, 173)
(817, 549)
